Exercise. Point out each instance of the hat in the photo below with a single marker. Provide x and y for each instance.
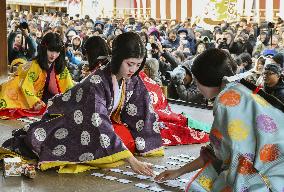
(279, 59)
(181, 29)
(274, 68)
(267, 52)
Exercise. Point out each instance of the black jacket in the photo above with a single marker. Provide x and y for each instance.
(277, 91)
(21, 53)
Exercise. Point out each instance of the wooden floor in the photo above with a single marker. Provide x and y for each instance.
(51, 181)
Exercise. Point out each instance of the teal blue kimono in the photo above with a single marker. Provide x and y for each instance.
(247, 135)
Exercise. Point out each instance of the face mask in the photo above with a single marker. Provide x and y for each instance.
(78, 58)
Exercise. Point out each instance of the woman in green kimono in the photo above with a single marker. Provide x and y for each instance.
(26, 93)
(246, 140)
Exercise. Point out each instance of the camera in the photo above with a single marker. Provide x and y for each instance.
(131, 21)
(176, 76)
(270, 25)
(223, 44)
(23, 25)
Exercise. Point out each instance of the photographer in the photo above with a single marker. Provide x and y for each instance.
(172, 40)
(241, 44)
(167, 62)
(182, 86)
(186, 41)
(20, 43)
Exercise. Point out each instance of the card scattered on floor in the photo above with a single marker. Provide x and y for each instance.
(128, 173)
(142, 177)
(159, 167)
(98, 174)
(124, 181)
(142, 185)
(172, 163)
(111, 178)
(116, 170)
(155, 189)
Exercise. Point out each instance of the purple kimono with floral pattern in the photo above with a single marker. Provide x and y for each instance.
(77, 125)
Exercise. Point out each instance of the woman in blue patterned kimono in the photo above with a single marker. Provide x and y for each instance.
(246, 140)
(76, 133)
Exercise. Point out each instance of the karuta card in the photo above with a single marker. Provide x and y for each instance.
(155, 189)
(142, 177)
(97, 174)
(111, 178)
(141, 185)
(128, 173)
(124, 181)
(116, 170)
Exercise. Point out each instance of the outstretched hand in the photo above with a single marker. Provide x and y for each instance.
(140, 167)
(167, 175)
(39, 105)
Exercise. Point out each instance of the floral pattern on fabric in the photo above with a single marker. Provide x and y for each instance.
(247, 139)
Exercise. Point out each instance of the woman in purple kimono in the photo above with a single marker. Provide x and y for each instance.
(77, 134)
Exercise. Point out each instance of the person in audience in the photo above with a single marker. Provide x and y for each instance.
(274, 81)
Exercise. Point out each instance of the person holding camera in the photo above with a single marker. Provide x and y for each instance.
(35, 82)
(182, 86)
(20, 44)
(242, 44)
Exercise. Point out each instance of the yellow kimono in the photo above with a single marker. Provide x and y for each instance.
(20, 93)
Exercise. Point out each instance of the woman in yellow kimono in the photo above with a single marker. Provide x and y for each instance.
(36, 81)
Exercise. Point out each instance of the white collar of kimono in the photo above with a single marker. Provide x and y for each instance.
(117, 90)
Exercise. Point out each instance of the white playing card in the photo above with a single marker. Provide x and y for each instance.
(116, 170)
(156, 173)
(155, 189)
(184, 156)
(184, 180)
(183, 160)
(172, 163)
(97, 174)
(128, 173)
(141, 185)
(173, 158)
(124, 181)
(25, 120)
(34, 118)
(173, 183)
(159, 167)
(142, 177)
(111, 178)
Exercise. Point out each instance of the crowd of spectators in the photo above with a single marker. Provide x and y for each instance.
(171, 47)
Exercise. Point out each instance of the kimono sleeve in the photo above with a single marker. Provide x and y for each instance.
(27, 85)
(139, 116)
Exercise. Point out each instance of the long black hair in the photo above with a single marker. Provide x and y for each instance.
(51, 42)
(127, 45)
(94, 47)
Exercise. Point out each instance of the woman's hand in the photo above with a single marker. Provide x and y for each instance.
(168, 174)
(39, 105)
(140, 167)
